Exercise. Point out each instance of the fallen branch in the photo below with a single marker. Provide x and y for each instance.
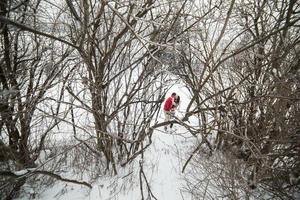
(58, 177)
(29, 172)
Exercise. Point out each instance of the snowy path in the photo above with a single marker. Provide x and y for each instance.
(166, 153)
(167, 178)
(162, 167)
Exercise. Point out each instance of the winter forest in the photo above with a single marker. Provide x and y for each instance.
(83, 84)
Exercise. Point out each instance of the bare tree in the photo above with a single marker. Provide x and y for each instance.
(111, 62)
(123, 92)
(247, 96)
(30, 69)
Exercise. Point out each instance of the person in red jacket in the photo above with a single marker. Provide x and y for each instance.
(169, 103)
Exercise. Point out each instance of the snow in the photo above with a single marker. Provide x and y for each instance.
(168, 177)
(162, 165)
(21, 172)
(162, 168)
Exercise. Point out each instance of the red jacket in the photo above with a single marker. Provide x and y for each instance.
(168, 104)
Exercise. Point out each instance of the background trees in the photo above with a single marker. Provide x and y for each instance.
(251, 94)
(123, 90)
(29, 70)
(99, 70)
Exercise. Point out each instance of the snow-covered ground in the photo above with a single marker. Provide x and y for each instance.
(162, 164)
